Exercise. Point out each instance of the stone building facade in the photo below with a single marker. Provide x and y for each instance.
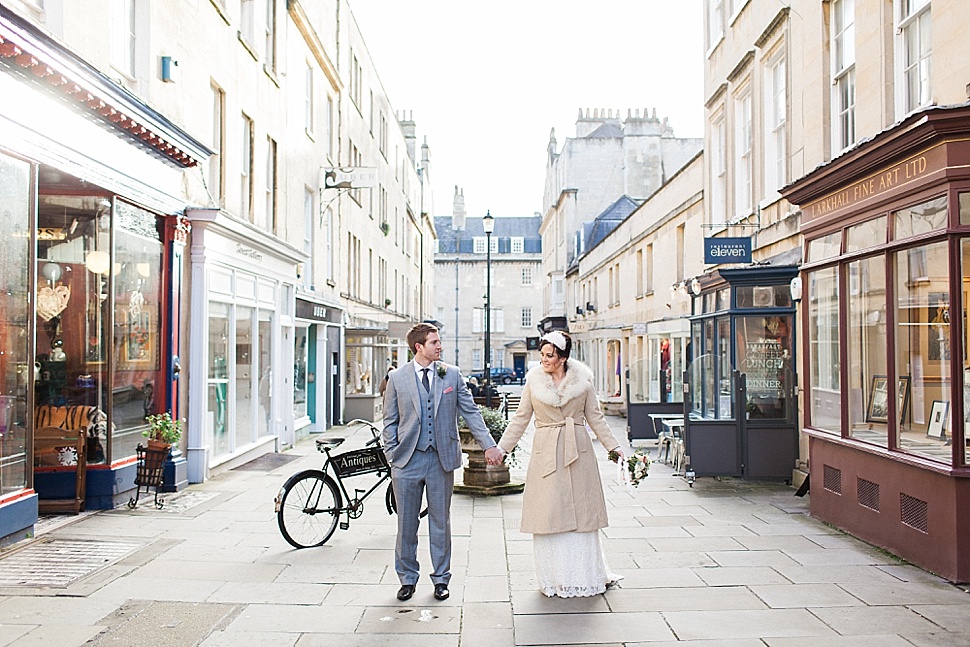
(516, 282)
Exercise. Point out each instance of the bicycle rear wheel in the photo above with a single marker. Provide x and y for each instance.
(309, 509)
(391, 502)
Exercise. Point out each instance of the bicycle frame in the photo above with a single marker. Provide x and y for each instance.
(353, 503)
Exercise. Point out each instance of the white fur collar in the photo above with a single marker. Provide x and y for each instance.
(577, 380)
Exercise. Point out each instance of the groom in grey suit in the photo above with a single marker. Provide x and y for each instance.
(421, 407)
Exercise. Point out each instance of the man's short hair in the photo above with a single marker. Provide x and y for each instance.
(419, 334)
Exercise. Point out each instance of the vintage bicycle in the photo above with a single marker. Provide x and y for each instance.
(310, 504)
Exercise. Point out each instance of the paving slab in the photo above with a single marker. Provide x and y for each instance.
(751, 558)
(739, 576)
(270, 593)
(862, 621)
(164, 624)
(953, 618)
(590, 628)
(430, 619)
(938, 639)
(682, 599)
(253, 639)
(908, 593)
(60, 611)
(282, 618)
(802, 596)
(880, 640)
(533, 602)
(711, 625)
(378, 640)
(60, 635)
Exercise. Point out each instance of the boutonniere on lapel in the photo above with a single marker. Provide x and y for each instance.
(442, 370)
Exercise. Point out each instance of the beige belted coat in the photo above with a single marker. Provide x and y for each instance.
(563, 490)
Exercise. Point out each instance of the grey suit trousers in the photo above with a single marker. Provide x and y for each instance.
(423, 475)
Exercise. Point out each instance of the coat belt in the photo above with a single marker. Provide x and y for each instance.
(547, 464)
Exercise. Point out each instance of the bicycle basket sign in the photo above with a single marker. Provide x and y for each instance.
(361, 461)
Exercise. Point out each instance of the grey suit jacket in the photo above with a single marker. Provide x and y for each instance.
(402, 415)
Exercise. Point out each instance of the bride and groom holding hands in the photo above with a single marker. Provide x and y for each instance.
(563, 506)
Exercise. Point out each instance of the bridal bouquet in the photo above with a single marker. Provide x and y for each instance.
(637, 465)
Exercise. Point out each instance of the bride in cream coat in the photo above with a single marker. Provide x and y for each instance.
(563, 506)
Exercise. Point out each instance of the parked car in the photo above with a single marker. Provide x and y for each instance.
(500, 375)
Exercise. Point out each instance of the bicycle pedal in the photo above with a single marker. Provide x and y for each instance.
(345, 525)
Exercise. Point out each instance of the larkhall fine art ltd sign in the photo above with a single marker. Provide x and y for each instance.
(897, 177)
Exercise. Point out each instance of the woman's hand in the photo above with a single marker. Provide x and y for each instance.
(615, 456)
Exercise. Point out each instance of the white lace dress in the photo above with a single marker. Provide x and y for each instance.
(571, 565)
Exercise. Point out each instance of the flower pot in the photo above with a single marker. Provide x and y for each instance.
(479, 477)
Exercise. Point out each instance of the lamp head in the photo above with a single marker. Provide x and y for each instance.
(695, 287)
(488, 222)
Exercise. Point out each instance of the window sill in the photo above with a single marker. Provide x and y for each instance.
(247, 46)
(271, 73)
(220, 9)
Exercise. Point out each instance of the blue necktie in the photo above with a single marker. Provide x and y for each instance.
(424, 380)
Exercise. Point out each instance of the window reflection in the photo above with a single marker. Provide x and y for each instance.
(923, 354)
(867, 351)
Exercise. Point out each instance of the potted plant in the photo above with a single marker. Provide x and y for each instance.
(163, 431)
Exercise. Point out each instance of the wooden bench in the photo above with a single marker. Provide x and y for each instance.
(59, 432)
(60, 443)
(496, 401)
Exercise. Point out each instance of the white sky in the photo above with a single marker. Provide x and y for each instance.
(486, 81)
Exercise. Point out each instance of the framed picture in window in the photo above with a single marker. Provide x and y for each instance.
(939, 416)
(878, 409)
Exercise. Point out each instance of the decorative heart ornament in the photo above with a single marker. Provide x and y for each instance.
(52, 301)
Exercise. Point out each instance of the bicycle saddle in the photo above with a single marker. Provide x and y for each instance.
(329, 442)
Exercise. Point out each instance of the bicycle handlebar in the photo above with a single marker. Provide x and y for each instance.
(376, 440)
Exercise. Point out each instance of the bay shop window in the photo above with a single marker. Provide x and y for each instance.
(888, 362)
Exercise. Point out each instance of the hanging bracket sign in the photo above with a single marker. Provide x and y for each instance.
(357, 177)
(727, 250)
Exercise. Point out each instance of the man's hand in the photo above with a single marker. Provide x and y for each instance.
(494, 455)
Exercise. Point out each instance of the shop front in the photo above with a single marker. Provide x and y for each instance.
(886, 375)
(654, 385)
(243, 300)
(90, 243)
(368, 359)
(316, 365)
(740, 385)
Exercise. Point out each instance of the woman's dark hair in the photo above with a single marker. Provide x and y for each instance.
(561, 352)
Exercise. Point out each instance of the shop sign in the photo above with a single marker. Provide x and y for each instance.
(248, 251)
(349, 178)
(891, 179)
(639, 329)
(727, 250)
(314, 311)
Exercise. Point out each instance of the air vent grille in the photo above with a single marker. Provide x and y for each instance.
(868, 494)
(832, 479)
(913, 512)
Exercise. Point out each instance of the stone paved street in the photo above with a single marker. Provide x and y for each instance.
(722, 564)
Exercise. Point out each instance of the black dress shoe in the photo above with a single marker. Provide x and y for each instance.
(405, 592)
(441, 592)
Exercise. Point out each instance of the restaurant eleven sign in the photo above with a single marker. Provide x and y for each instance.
(872, 188)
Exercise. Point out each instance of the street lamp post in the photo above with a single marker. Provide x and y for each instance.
(488, 224)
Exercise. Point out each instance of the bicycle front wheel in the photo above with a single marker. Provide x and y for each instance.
(309, 509)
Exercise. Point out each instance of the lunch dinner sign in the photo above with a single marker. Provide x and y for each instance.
(727, 250)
